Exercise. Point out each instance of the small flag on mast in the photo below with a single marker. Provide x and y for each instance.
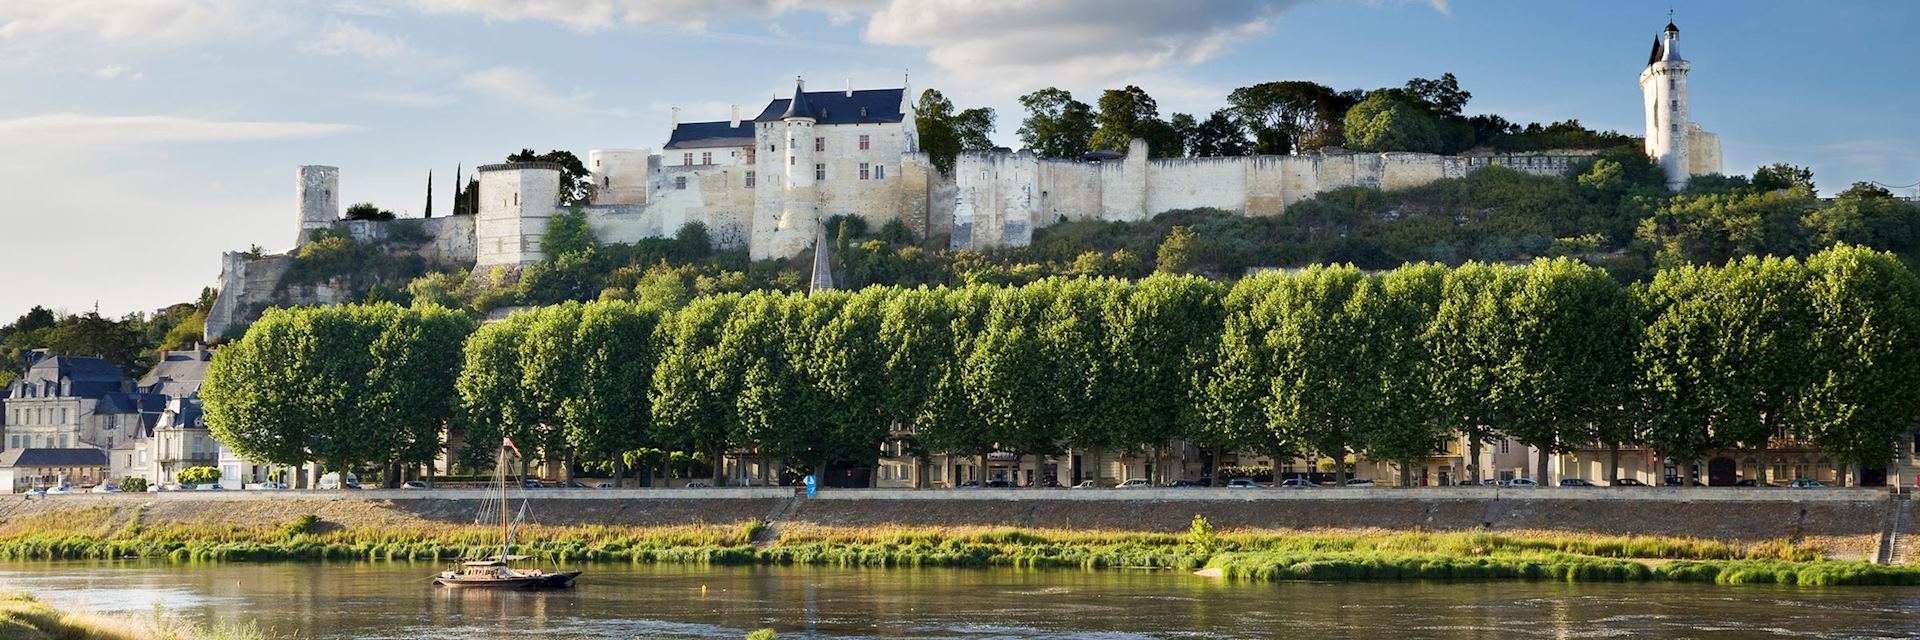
(508, 443)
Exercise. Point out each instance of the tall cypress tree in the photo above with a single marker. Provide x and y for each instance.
(429, 210)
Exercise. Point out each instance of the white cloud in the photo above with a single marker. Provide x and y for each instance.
(415, 99)
(77, 128)
(1020, 44)
(341, 38)
(117, 71)
(524, 89)
(594, 15)
(141, 22)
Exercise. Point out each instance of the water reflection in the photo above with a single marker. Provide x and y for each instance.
(396, 601)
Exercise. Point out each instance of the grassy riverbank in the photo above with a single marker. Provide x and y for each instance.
(24, 617)
(104, 533)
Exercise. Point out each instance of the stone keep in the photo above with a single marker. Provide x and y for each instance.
(317, 187)
(517, 199)
(619, 175)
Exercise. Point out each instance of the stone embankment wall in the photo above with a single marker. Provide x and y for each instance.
(1846, 522)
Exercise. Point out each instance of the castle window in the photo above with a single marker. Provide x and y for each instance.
(819, 144)
(819, 172)
(864, 170)
(686, 159)
(680, 182)
(706, 157)
(750, 179)
(606, 182)
(879, 172)
(749, 155)
(863, 142)
(790, 161)
(1675, 104)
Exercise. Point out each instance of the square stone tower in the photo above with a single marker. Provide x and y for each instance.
(317, 188)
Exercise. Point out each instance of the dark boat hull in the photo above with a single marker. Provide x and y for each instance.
(560, 580)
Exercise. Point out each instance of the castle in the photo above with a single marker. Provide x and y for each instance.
(766, 183)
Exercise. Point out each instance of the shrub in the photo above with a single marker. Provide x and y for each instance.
(197, 475)
(133, 484)
(761, 634)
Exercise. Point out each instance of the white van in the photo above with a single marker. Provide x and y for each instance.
(331, 482)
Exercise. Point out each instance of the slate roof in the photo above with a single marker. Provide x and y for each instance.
(53, 458)
(179, 373)
(865, 106)
(131, 402)
(691, 135)
(91, 378)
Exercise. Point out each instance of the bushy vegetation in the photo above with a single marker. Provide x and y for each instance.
(197, 475)
(1255, 555)
(132, 342)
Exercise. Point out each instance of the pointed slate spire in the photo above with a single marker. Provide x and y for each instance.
(822, 270)
(799, 107)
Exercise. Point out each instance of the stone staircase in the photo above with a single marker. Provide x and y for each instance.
(1894, 525)
(781, 511)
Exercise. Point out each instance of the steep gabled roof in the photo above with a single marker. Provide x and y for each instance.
(865, 106)
(694, 135)
(1658, 50)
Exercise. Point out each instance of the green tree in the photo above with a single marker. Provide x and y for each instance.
(1324, 383)
(1238, 385)
(367, 211)
(1178, 253)
(1714, 229)
(1387, 120)
(1443, 96)
(1574, 333)
(695, 385)
(616, 350)
(939, 137)
(1124, 114)
(576, 183)
(1219, 135)
(567, 232)
(1056, 126)
(1468, 336)
(197, 476)
(1783, 177)
(1147, 381)
(1399, 308)
(1868, 216)
(1866, 348)
(1724, 361)
(1288, 114)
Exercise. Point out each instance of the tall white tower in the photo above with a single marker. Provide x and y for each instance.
(800, 206)
(1663, 86)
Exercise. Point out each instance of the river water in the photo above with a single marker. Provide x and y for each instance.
(396, 601)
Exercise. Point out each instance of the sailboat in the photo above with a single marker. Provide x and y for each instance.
(497, 571)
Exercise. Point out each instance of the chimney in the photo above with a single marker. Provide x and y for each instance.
(676, 116)
(736, 117)
(849, 87)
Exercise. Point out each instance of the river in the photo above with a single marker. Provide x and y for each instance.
(395, 601)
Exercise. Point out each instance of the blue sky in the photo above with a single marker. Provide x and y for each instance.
(144, 137)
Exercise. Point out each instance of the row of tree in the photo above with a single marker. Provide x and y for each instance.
(1326, 362)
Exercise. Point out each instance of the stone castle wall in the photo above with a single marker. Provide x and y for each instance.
(1001, 198)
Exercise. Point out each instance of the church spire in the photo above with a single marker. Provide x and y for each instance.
(822, 269)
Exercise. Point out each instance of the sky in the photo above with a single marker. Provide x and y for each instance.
(142, 138)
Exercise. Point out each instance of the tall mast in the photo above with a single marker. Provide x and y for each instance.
(501, 471)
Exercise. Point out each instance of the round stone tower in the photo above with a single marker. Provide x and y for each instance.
(317, 187)
(1663, 86)
(800, 208)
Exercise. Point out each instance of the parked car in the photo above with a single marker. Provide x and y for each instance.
(1182, 484)
(60, 490)
(1674, 481)
(1086, 484)
(36, 492)
(1000, 484)
(1807, 483)
(1626, 482)
(266, 486)
(207, 486)
(414, 484)
(603, 485)
(696, 485)
(1359, 483)
(104, 488)
(1749, 482)
(970, 484)
(1297, 483)
(1575, 482)
(1521, 483)
(1242, 483)
(1136, 483)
